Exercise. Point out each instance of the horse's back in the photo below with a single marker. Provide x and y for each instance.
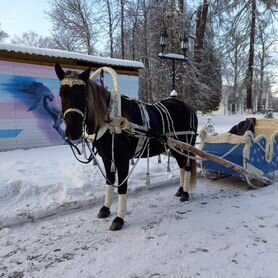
(183, 115)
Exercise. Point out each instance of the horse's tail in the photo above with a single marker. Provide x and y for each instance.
(193, 176)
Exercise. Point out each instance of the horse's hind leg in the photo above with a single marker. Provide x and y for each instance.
(186, 186)
(186, 166)
(183, 191)
(189, 179)
(180, 190)
(109, 190)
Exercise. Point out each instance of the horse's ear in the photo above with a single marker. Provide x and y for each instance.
(85, 75)
(59, 71)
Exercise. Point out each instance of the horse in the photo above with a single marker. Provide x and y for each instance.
(86, 105)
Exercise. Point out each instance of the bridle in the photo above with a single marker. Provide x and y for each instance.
(70, 81)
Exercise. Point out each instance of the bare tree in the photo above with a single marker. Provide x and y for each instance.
(242, 17)
(132, 21)
(110, 27)
(73, 22)
(265, 41)
(250, 72)
(201, 22)
(32, 38)
(3, 35)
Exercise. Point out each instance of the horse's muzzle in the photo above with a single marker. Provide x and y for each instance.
(73, 135)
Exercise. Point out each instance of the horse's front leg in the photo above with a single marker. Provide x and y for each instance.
(109, 190)
(122, 169)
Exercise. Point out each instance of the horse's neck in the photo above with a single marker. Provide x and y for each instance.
(98, 102)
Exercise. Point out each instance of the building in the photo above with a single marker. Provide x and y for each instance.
(29, 101)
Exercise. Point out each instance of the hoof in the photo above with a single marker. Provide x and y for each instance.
(104, 212)
(179, 192)
(117, 224)
(184, 197)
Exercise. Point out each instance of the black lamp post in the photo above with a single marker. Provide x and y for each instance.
(164, 41)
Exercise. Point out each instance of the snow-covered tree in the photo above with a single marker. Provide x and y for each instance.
(73, 25)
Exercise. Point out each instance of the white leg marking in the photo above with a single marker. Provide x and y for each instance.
(109, 190)
(181, 177)
(122, 205)
(186, 181)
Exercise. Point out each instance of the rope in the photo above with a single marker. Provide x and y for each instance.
(169, 120)
(230, 151)
(102, 171)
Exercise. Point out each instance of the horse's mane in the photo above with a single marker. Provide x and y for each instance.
(98, 101)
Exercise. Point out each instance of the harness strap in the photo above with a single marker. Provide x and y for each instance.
(146, 123)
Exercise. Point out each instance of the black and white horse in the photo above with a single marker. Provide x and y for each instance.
(86, 106)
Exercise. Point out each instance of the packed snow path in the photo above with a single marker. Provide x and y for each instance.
(226, 230)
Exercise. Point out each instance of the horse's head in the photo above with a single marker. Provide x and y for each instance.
(73, 94)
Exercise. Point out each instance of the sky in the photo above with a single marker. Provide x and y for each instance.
(24, 16)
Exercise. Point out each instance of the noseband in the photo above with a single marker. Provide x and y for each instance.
(73, 110)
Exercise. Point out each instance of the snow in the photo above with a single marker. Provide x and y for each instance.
(172, 56)
(225, 230)
(71, 55)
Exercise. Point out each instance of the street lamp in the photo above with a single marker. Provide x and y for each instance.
(164, 41)
(184, 45)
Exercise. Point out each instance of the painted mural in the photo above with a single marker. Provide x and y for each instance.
(30, 107)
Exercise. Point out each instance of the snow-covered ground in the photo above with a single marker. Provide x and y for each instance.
(226, 230)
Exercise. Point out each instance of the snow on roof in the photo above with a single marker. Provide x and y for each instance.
(56, 53)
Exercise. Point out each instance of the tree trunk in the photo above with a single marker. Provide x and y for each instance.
(181, 6)
(134, 28)
(146, 55)
(110, 23)
(122, 29)
(251, 58)
(235, 97)
(201, 21)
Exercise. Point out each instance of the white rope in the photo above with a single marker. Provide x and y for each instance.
(104, 174)
(113, 167)
(230, 151)
(164, 110)
(169, 120)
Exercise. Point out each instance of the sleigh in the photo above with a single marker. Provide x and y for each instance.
(256, 153)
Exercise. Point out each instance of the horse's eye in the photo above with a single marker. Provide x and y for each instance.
(62, 93)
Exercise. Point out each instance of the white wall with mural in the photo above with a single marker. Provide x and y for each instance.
(30, 106)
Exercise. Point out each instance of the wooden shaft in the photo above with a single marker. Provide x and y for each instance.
(216, 159)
